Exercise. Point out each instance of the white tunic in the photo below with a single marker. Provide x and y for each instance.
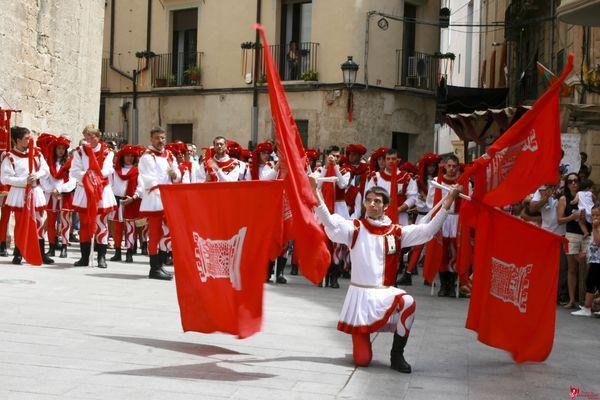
(450, 228)
(343, 180)
(153, 171)
(412, 192)
(119, 186)
(223, 174)
(15, 171)
(79, 167)
(50, 184)
(369, 306)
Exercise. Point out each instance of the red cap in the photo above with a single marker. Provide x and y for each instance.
(136, 150)
(264, 146)
(234, 149)
(409, 167)
(177, 148)
(376, 154)
(356, 148)
(312, 154)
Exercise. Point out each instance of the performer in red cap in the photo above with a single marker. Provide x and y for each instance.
(15, 173)
(359, 173)
(447, 270)
(128, 192)
(235, 150)
(58, 187)
(312, 156)
(406, 186)
(157, 166)
(427, 170)
(262, 167)
(220, 167)
(93, 199)
(377, 160)
(180, 151)
(372, 303)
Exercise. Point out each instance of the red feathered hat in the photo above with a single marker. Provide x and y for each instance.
(312, 154)
(429, 158)
(356, 148)
(376, 154)
(234, 149)
(136, 150)
(245, 155)
(261, 147)
(177, 148)
(409, 167)
(43, 142)
(264, 146)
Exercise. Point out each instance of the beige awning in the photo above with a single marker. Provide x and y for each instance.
(584, 115)
(482, 127)
(579, 12)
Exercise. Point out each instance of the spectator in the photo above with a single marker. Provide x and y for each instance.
(592, 282)
(568, 214)
(584, 169)
(293, 59)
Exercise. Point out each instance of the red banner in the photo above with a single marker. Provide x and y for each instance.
(514, 285)
(310, 242)
(5, 116)
(221, 250)
(526, 156)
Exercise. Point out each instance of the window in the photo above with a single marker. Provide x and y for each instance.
(184, 47)
(303, 129)
(181, 132)
(295, 38)
(400, 142)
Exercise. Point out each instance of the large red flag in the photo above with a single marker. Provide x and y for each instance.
(310, 242)
(26, 237)
(514, 285)
(526, 156)
(221, 250)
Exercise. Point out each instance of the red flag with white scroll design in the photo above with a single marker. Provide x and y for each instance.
(221, 250)
(514, 284)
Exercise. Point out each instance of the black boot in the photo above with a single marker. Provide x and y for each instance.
(333, 276)
(144, 248)
(397, 360)
(451, 285)
(3, 252)
(168, 258)
(443, 292)
(156, 269)
(85, 248)
(51, 250)
(294, 270)
(135, 247)
(102, 255)
(405, 279)
(270, 271)
(63, 251)
(17, 258)
(279, 278)
(117, 256)
(129, 256)
(45, 258)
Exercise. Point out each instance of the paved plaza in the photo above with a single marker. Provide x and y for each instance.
(86, 333)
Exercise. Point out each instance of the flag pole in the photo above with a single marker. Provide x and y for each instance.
(449, 188)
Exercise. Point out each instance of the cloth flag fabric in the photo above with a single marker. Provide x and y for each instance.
(515, 281)
(26, 237)
(526, 156)
(221, 250)
(93, 185)
(310, 241)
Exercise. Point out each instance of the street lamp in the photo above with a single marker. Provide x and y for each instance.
(349, 70)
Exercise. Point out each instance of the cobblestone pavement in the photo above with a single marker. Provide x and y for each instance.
(86, 333)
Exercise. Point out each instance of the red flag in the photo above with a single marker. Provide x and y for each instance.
(93, 185)
(26, 237)
(309, 238)
(514, 285)
(526, 156)
(221, 248)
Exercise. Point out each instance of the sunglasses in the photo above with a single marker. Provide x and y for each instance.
(572, 180)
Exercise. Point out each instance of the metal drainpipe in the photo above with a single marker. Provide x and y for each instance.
(254, 132)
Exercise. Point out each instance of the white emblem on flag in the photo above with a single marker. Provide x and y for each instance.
(504, 160)
(220, 259)
(509, 283)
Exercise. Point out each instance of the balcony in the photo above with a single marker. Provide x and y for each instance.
(104, 76)
(416, 70)
(176, 69)
(295, 63)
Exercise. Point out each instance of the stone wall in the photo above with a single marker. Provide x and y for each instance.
(51, 62)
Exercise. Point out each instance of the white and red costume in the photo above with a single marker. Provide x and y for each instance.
(407, 189)
(106, 203)
(227, 170)
(59, 181)
(334, 193)
(5, 217)
(154, 167)
(359, 174)
(372, 302)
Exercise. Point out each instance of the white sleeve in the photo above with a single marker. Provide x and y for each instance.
(536, 196)
(139, 189)
(233, 176)
(268, 173)
(412, 193)
(175, 167)
(146, 170)
(338, 229)
(77, 172)
(413, 235)
(44, 171)
(343, 179)
(430, 197)
(9, 176)
(321, 172)
(201, 174)
(357, 207)
(108, 166)
(370, 183)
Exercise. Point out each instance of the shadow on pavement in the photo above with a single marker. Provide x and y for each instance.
(202, 350)
(118, 276)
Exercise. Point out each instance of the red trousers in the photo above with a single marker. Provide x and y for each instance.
(100, 230)
(155, 231)
(4, 222)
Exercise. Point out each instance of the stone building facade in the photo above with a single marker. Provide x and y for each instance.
(51, 63)
(394, 96)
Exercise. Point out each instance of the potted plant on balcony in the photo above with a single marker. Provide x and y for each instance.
(193, 73)
(310, 76)
(161, 81)
(172, 80)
